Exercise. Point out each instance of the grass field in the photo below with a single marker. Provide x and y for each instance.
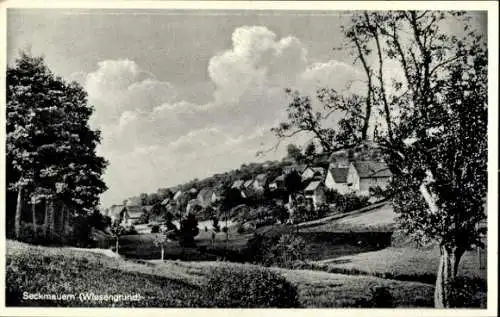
(176, 278)
(405, 261)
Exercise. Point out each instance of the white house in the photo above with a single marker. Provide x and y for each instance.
(367, 174)
(337, 178)
(315, 192)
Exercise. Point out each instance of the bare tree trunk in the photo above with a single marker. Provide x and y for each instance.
(33, 215)
(162, 252)
(45, 219)
(117, 245)
(447, 271)
(51, 218)
(62, 219)
(19, 210)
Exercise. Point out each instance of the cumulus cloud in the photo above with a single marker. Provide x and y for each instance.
(152, 138)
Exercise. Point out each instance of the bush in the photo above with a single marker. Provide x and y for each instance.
(250, 288)
(350, 202)
(155, 229)
(378, 297)
(41, 271)
(463, 292)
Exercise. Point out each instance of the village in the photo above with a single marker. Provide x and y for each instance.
(338, 173)
(269, 158)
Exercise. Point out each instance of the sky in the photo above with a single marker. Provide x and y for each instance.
(180, 95)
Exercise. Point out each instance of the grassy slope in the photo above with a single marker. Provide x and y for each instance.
(316, 289)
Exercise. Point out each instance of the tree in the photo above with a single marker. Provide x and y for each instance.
(295, 154)
(50, 146)
(161, 240)
(117, 230)
(432, 112)
(189, 230)
(435, 133)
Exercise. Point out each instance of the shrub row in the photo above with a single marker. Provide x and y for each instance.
(57, 274)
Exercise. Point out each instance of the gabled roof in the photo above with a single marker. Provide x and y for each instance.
(178, 195)
(248, 183)
(205, 196)
(372, 169)
(115, 210)
(280, 178)
(312, 186)
(134, 211)
(339, 174)
(238, 183)
(261, 178)
(295, 167)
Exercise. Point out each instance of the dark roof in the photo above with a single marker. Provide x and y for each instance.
(312, 186)
(339, 174)
(372, 169)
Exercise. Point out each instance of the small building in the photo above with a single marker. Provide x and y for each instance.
(260, 182)
(206, 197)
(278, 183)
(131, 214)
(317, 173)
(367, 174)
(315, 193)
(238, 184)
(337, 178)
(294, 168)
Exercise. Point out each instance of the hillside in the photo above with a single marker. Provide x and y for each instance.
(174, 284)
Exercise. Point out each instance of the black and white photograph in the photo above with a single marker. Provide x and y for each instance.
(182, 156)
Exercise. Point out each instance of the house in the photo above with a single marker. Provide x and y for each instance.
(207, 196)
(115, 212)
(367, 174)
(315, 193)
(131, 214)
(313, 173)
(238, 184)
(260, 182)
(337, 178)
(291, 168)
(178, 195)
(278, 183)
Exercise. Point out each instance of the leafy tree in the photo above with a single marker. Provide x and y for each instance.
(295, 154)
(432, 127)
(50, 146)
(117, 230)
(161, 241)
(189, 230)
(435, 120)
(293, 184)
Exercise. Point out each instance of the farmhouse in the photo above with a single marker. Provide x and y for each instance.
(206, 197)
(278, 183)
(259, 183)
(337, 179)
(315, 193)
(131, 214)
(368, 174)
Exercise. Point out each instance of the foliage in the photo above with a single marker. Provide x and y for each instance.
(379, 296)
(350, 202)
(188, 230)
(51, 150)
(58, 274)
(463, 292)
(250, 288)
(294, 153)
(155, 229)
